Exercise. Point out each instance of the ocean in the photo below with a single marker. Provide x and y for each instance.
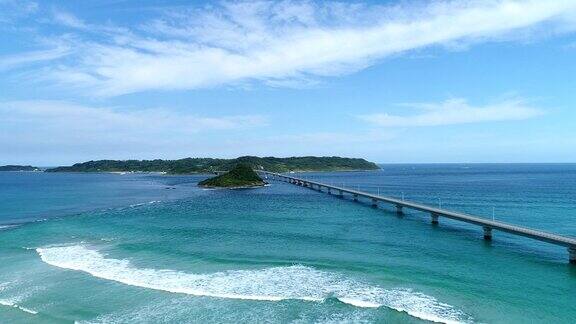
(149, 248)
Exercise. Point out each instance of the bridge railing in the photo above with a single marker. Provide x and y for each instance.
(436, 212)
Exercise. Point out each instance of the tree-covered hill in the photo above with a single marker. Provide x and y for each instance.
(241, 176)
(18, 168)
(202, 165)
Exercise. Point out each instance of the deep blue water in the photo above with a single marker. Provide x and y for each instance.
(109, 248)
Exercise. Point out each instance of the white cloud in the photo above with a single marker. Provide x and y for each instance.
(455, 111)
(283, 43)
(11, 10)
(69, 20)
(8, 62)
(39, 122)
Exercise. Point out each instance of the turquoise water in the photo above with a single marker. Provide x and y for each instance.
(108, 248)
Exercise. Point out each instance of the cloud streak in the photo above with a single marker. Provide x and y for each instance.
(455, 111)
(283, 43)
(64, 123)
(8, 62)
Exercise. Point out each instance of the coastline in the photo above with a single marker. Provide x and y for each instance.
(235, 187)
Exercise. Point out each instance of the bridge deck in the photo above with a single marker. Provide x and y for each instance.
(487, 224)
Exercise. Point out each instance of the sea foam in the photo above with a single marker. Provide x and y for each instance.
(11, 303)
(268, 284)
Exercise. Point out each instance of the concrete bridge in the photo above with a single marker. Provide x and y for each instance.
(435, 213)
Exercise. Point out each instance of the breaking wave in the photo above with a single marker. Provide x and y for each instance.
(269, 284)
(11, 303)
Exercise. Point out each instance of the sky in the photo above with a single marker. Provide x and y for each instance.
(464, 81)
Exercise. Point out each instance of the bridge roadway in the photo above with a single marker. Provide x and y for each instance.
(487, 225)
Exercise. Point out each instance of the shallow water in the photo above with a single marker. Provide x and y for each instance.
(104, 248)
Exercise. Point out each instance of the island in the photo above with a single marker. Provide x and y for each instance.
(241, 176)
(210, 165)
(18, 168)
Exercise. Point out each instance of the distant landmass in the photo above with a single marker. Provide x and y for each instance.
(18, 168)
(241, 176)
(206, 165)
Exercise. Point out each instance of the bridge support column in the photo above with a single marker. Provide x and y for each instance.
(355, 197)
(434, 219)
(329, 191)
(341, 194)
(572, 254)
(399, 210)
(374, 203)
(487, 233)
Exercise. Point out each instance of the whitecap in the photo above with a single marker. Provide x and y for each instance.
(12, 303)
(142, 204)
(268, 284)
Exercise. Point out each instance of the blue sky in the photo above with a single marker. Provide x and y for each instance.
(393, 82)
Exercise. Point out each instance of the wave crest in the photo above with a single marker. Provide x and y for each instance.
(269, 284)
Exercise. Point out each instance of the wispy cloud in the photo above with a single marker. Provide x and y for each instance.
(68, 19)
(286, 43)
(14, 9)
(455, 111)
(8, 62)
(66, 123)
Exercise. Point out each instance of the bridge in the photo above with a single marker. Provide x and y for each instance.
(435, 213)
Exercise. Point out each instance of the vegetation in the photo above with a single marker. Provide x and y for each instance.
(241, 176)
(203, 165)
(18, 168)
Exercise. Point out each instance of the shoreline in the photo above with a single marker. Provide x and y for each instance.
(235, 187)
(193, 173)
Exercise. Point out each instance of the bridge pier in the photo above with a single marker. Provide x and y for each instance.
(487, 225)
(341, 194)
(487, 233)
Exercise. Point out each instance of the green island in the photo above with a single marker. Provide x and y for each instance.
(18, 168)
(208, 165)
(241, 176)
